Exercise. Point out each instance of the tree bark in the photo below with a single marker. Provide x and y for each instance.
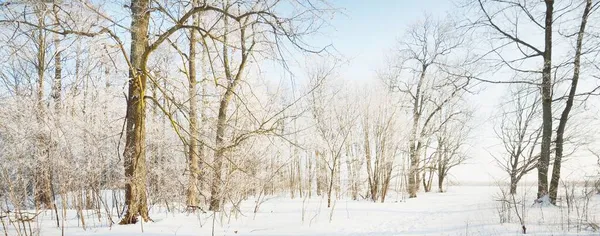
(544, 161)
(513, 185)
(193, 152)
(134, 154)
(415, 147)
(564, 117)
(215, 188)
(43, 193)
(57, 83)
(232, 82)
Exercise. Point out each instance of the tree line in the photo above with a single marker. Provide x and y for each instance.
(168, 102)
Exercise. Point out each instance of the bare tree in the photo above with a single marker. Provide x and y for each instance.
(508, 31)
(520, 132)
(379, 130)
(334, 121)
(193, 147)
(450, 151)
(451, 138)
(539, 17)
(256, 28)
(424, 56)
(564, 117)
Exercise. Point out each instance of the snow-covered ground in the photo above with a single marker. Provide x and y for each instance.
(472, 210)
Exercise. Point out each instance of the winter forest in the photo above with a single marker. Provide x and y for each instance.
(299, 117)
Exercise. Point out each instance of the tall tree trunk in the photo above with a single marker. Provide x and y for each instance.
(215, 188)
(134, 153)
(564, 117)
(414, 140)
(215, 198)
(193, 152)
(56, 96)
(544, 161)
(203, 152)
(43, 193)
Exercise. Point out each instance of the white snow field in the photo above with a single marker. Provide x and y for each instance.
(462, 210)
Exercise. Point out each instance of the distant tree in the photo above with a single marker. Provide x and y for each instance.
(335, 118)
(452, 140)
(520, 132)
(424, 72)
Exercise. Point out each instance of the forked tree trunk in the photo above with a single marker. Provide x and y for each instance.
(232, 83)
(134, 155)
(414, 140)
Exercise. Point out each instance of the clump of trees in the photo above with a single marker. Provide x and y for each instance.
(535, 63)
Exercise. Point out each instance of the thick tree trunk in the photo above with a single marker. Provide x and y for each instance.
(564, 117)
(193, 152)
(414, 140)
(134, 154)
(513, 185)
(544, 160)
(215, 188)
(231, 81)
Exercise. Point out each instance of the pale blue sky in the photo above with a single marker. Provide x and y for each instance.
(366, 31)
